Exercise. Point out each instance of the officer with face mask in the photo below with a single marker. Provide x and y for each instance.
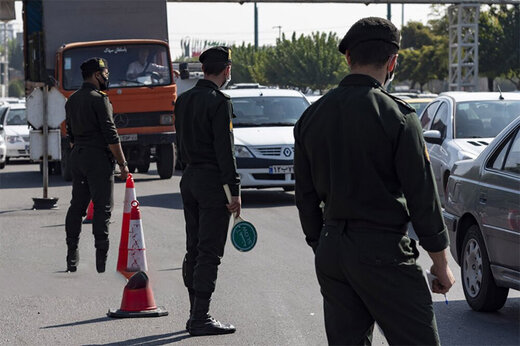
(95, 144)
(206, 148)
(360, 153)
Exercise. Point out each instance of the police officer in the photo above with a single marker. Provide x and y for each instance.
(360, 154)
(206, 148)
(95, 144)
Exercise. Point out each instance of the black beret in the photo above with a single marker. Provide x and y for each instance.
(216, 54)
(94, 65)
(370, 29)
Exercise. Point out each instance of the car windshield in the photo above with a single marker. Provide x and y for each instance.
(481, 119)
(267, 111)
(419, 106)
(16, 117)
(131, 65)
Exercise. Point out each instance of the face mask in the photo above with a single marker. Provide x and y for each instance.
(388, 79)
(104, 84)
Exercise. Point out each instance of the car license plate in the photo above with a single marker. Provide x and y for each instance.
(281, 169)
(128, 138)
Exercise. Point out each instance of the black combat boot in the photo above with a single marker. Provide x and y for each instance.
(72, 258)
(192, 300)
(201, 323)
(101, 260)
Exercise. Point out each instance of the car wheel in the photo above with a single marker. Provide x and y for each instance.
(480, 289)
(165, 160)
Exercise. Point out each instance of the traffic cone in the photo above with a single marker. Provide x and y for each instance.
(136, 249)
(90, 213)
(123, 243)
(138, 300)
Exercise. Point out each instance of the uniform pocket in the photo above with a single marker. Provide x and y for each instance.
(385, 248)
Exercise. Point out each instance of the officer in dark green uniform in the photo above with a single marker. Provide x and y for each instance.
(360, 154)
(95, 144)
(206, 148)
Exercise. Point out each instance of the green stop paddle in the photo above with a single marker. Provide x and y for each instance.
(243, 233)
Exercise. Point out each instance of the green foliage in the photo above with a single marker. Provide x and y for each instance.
(15, 55)
(16, 88)
(416, 35)
(304, 62)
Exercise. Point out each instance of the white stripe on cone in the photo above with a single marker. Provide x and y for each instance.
(136, 247)
(129, 197)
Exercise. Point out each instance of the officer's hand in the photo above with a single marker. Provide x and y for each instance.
(235, 205)
(445, 279)
(124, 173)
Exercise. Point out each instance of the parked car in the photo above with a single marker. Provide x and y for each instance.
(460, 125)
(3, 148)
(263, 131)
(419, 103)
(483, 218)
(14, 120)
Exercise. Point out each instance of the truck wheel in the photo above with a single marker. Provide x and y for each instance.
(165, 160)
(66, 171)
(2, 165)
(480, 289)
(144, 168)
(131, 168)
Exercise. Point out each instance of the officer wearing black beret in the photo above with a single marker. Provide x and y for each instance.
(205, 146)
(362, 173)
(95, 143)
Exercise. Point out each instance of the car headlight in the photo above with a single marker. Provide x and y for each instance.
(464, 155)
(242, 151)
(14, 139)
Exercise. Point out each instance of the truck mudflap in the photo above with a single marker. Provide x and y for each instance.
(147, 139)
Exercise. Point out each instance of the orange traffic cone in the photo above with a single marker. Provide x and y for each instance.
(138, 300)
(123, 243)
(90, 213)
(136, 250)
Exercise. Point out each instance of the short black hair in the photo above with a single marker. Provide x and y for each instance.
(374, 53)
(214, 68)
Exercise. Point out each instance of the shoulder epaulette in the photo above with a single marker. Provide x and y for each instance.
(398, 100)
(102, 93)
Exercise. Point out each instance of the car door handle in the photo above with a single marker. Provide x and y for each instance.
(482, 199)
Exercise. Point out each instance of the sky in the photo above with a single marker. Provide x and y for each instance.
(233, 23)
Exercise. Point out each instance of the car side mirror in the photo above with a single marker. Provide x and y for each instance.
(433, 137)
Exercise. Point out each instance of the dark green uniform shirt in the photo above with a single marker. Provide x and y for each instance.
(361, 152)
(203, 117)
(89, 118)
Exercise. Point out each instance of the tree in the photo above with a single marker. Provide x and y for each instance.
(248, 64)
(416, 35)
(306, 62)
(491, 47)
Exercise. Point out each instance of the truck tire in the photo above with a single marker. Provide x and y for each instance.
(144, 168)
(480, 289)
(66, 172)
(2, 165)
(131, 168)
(165, 160)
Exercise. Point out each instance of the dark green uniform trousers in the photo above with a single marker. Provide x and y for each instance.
(207, 223)
(369, 276)
(92, 178)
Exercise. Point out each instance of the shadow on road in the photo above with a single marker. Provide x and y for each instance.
(72, 324)
(152, 339)
(266, 198)
(17, 180)
(164, 200)
(459, 325)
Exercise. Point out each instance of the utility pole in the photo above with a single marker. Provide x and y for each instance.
(389, 11)
(279, 27)
(256, 27)
(5, 82)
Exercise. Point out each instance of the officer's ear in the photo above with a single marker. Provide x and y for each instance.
(392, 62)
(349, 59)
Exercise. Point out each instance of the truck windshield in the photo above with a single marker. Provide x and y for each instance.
(267, 111)
(130, 65)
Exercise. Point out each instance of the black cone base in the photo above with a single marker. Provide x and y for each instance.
(45, 203)
(160, 311)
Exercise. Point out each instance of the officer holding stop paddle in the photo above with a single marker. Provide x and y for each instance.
(205, 145)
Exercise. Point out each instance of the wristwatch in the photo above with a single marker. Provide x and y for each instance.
(124, 164)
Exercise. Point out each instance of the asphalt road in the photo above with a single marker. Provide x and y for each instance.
(270, 294)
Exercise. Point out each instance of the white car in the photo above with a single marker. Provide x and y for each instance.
(14, 120)
(263, 131)
(460, 125)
